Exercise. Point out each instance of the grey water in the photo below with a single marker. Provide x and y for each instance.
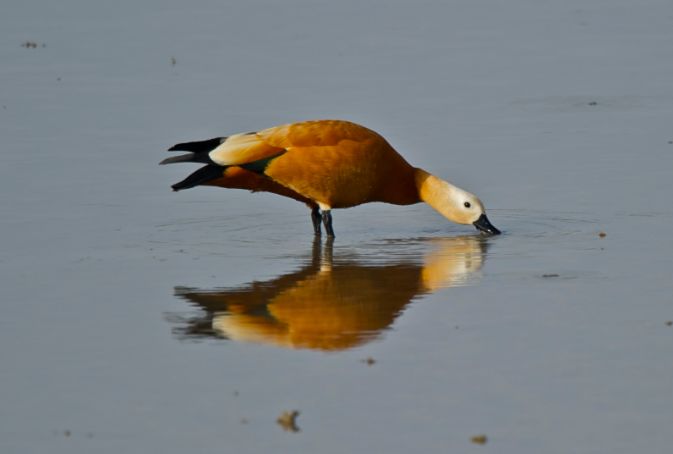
(140, 320)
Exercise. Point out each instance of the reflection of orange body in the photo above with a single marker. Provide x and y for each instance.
(325, 164)
(332, 305)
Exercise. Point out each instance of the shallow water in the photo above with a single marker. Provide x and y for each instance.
(334, 303)
(139, 320)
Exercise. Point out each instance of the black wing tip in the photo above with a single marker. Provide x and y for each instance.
(199, 146)
(188, 157)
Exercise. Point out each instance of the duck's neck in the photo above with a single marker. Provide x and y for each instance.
(437, 193)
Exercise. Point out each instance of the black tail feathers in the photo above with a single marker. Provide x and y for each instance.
(201, 176)
(199, 152)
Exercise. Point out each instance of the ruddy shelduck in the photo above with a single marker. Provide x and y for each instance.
(325, 164)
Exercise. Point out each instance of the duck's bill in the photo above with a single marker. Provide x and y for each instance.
(485, 225)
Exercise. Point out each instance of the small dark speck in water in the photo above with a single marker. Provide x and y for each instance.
(592, 103)
(670, 142)
(369, 361)
(288, 421)
(174, 61)
(236, 393)
(244, 420)
(550, 275)
(479, 439)
(602, 234)
(67, 433)
(669, 323)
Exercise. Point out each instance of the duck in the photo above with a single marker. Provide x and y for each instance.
(325, 164)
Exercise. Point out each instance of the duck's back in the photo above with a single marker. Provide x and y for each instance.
(316, 133)
(339, 164)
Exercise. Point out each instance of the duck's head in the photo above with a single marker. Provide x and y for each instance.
(468, 209)
(454, 203)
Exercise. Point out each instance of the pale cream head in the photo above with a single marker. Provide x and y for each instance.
(454, 203)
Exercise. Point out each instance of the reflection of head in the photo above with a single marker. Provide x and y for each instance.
(332, 303)
(452, 262)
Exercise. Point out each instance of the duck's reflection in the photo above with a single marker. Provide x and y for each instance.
(333, 302)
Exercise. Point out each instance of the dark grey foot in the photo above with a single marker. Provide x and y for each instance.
(316, 219)
(327, 221)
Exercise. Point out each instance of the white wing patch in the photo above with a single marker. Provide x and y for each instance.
(242, 149)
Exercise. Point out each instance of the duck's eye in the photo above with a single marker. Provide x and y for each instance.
(467, 204)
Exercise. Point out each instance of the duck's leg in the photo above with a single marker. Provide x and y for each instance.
(327, 220)
(316, 219)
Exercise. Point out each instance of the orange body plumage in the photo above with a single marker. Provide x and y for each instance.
(325, 164)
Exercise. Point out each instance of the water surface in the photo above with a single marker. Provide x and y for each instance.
(140, 320)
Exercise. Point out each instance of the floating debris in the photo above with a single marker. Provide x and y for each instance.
(32, 45)
(669, 323)
(592, 103)
(369, 361)
(602, 234)
(670, 142)
(550, 275)
(479, 439)
(288, 421)
(174, 61)
(67, 433)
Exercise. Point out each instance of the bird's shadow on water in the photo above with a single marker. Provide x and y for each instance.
(336, 299)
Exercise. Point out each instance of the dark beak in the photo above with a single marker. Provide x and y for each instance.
(485, 225)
